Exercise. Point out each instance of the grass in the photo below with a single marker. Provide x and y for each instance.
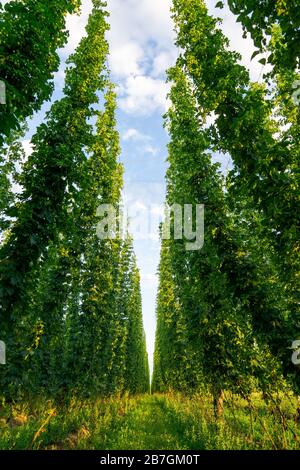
(149, 422)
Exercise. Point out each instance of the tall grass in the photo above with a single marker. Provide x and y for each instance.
(162, 422)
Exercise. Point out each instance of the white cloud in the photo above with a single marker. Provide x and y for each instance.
(141, 39)
(137, 136)
(144, 95)
(137, 206)
(59, 77)
(162, 62)
(158, 209)
(150, 278)
(134, 134)
(126, 59)
(151, 150)
(141, 21)
(28, 147)
(76, 24)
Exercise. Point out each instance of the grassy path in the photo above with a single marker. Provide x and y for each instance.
(145, 422)
(149, 426)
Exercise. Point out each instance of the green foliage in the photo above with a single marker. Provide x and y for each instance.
(174, 364)
(239, 294)
(258, 18)
(59, 150)
(28, 59)
(211, 330)
(70, 303)
(11, 156)
(130, 304)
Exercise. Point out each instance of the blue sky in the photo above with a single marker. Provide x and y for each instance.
(141, 49)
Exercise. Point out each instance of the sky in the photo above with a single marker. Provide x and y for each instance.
(142, 47)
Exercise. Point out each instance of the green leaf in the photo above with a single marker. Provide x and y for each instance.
(255, 53)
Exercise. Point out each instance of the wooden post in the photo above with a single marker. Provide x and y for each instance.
(218, 403)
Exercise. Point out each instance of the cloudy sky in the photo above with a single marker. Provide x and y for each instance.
(141, 49)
